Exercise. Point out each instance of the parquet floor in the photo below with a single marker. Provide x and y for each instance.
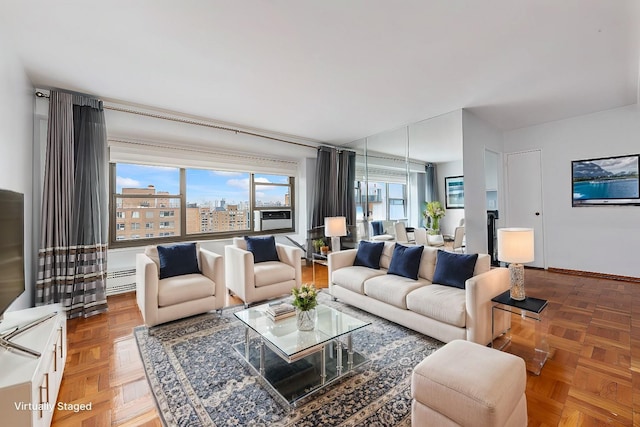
(593, 378)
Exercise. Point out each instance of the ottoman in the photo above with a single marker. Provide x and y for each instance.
(466, 384)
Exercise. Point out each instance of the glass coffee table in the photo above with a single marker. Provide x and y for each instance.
(295, 364)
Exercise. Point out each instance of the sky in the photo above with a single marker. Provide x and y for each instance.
(202, 185)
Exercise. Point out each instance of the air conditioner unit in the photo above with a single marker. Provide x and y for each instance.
(272, 220)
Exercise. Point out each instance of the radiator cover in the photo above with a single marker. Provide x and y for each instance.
(121, 281)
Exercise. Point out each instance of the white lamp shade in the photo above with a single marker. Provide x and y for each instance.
(515, 245)
(335, 226)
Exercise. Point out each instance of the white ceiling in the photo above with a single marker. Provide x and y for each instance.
(335, 70)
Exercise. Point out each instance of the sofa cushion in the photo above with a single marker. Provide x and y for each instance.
(387, 253)
(262, 248)
(368, 254)
(406, 261)
(177, 260)
(443, 303)
(428, 263)
(273, 272)
(454, 269)
(392, 289)
(187, 287)
(353, 278)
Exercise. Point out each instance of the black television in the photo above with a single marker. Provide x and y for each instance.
(606, 181)
(11, 248)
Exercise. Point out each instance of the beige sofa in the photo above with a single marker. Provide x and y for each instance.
(442, 312)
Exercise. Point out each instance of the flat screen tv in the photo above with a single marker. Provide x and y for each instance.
(606, 181)
(11, 247)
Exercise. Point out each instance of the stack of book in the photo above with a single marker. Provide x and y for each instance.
(280, 310)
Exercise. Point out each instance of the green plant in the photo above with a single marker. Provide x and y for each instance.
(435, 212)
(305, 297)
(317, 244)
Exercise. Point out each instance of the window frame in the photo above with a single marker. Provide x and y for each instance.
(180, 227)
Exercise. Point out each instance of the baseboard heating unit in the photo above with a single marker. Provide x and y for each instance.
(120, 281)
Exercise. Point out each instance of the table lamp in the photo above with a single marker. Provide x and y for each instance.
(335, 227)
(515, 246)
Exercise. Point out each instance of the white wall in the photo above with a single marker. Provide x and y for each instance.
(477, 135)
(16, 138)
(600, 239)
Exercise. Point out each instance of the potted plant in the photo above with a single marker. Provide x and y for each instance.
(317, 244)
(305, 300)
(434, 212)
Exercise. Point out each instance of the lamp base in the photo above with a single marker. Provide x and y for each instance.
(516, 274)
(335, 244)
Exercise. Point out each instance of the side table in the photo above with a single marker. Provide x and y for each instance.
(531, 341)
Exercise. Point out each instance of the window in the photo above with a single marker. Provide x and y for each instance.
(120, 215)
(220, 203)
(383, 201)
(120, 227)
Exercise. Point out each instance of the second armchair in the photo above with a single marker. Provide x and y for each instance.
(254, 281)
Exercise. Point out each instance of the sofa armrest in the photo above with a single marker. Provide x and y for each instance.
(292, 256)
(147, 288)
(239, 275)
(338, 260)
(213, 267)
(479, 291)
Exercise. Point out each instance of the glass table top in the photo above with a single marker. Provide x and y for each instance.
(284, 333)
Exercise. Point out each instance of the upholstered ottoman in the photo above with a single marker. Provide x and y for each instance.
(466, 384)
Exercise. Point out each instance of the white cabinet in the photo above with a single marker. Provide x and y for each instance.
(29, 385)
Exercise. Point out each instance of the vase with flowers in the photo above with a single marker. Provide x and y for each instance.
(433, 212)
(305, 300)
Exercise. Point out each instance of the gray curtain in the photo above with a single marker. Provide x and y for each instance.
(334, 192)
(326, 188)
(72, 260)
(346, 182)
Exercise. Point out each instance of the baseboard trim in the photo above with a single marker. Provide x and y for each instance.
(595, 275)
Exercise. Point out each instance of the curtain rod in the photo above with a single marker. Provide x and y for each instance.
(40, 94)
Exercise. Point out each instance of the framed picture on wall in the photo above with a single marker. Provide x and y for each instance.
(454, 192)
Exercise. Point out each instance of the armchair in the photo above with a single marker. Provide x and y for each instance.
(254, 282)
(171, 298)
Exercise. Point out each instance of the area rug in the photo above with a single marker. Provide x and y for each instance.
(198, 379)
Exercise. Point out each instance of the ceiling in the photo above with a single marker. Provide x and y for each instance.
(336, 71)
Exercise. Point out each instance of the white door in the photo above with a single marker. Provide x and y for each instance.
(524, 198)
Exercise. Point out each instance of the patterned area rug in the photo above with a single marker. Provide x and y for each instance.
(198, 379)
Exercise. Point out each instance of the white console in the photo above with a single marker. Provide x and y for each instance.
(29, 385)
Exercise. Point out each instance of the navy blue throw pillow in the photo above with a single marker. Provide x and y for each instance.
(454, 269)
(406, 261)
(377, 228)
(369, 254)
(262, 248)
(176, 260)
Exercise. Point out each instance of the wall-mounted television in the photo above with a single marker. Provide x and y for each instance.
(11, 247)
(606, 181)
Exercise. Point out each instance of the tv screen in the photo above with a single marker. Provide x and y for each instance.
(11, 247)
(606, 181)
